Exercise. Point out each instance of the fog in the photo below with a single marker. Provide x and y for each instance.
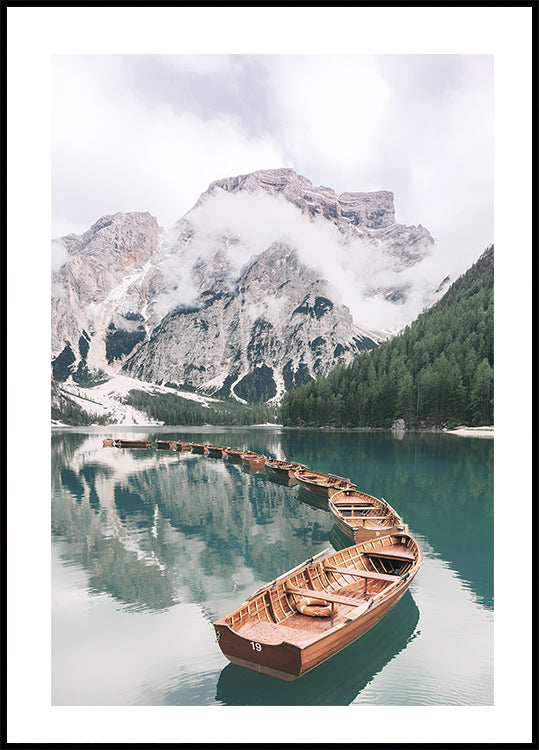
(243, 225)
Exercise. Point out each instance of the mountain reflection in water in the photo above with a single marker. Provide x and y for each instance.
(189, 537)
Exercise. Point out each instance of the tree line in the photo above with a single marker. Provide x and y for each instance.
(438, 371)
(172, 410)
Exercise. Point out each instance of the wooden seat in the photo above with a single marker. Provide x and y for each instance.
(371, 574)
(393, 552)
(326, 595)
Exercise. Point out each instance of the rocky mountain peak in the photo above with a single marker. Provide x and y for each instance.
(231, 300)
(375, 210)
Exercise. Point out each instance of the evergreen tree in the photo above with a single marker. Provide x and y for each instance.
(438, 370)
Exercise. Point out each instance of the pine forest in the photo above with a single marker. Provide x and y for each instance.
(439, 371)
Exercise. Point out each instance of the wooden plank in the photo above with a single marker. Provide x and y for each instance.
(361, 573)
(402, 553)
(355, 501)
(326, 595)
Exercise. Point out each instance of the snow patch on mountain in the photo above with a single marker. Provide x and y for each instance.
(107, 399)
(267, 282)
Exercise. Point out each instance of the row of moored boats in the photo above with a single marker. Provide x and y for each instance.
(303, 617)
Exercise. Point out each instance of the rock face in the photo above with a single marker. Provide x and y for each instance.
(231, 300)
(369, 216)
(274, 330)
(99, 293)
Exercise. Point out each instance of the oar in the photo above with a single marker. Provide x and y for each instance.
(289, 573)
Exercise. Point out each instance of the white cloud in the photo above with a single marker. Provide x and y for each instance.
(111, 152)
(201, 64)
(420, 126)
(330, 108)
(59, 255)
(353, 268)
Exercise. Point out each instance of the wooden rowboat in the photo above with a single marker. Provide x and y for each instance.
(198, 448)
(233, 454)
(132, 444)
(284, 469)
(322, 484)
(168, 445)
(255, 460)
(215, 451)
(181, 445)
(355, 588)
(360, 516)
(108, 442)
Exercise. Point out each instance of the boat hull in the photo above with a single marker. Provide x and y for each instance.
(282, 469)
(314, 487)
(165, 445)
(269, 632)
(215, 452)
(287, 661)
(358, 534)
(352, 514)
(133, 444)
(182, 446)
(323, 485)
(198, 448)
(253, 460)
(282, 660)
(233, 454)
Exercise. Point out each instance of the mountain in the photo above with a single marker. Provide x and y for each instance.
(437, 371)
(253, 292)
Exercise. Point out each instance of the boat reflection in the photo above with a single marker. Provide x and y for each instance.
(337, 539)
(283, 481)
(253, 469)
(315, 501)
(336, 682)
(154, 528)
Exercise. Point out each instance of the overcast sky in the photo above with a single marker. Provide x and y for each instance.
(150, 132)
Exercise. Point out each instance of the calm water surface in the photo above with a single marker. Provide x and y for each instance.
(149, 547)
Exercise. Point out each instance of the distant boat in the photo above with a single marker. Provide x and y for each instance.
(181, 445)
(283, 468)
(132, 444)
(168, 445)
(254, 460)
(310, 613)
(233, 454)
(322, 484)
(108, 442)
(198, 448)
(360, 516)
(215, 451)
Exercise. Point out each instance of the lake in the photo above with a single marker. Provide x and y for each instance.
(149, 547)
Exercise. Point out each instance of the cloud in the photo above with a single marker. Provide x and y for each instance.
(330, 108)
(354, 268)
(418, 125)
(151, 132)
(112, 152)
(59, 255)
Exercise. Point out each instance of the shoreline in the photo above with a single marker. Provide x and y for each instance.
(462, 431)
(472, 432)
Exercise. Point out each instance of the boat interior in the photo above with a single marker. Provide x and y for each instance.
(363, 514)
(350, 580)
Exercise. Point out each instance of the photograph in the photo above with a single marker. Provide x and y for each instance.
(271, 392)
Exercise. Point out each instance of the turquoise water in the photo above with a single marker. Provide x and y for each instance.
(149, 547)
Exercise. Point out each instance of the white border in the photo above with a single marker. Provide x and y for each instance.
(33, 35)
